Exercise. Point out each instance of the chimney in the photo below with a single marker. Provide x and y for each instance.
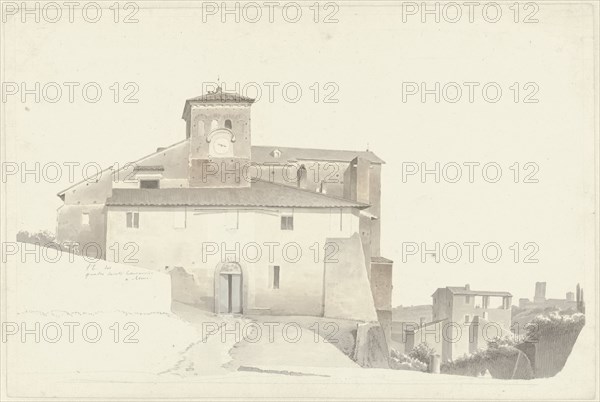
(467, 287)
(301, 177)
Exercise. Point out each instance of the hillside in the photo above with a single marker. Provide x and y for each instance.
(412, 313)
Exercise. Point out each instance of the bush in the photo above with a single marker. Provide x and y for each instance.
(499, 359)
(556, 322)
(41, 238)
(422, 352)
(400, 361)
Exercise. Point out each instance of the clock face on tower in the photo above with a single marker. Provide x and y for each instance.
(220, 143)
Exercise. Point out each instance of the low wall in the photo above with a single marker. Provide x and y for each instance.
(552, 350)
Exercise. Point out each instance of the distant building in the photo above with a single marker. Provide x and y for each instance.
(463, 321)
(540, 301)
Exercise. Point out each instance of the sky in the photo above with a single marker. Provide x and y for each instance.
(364, 66)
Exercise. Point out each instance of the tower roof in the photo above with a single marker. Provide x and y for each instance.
(218, 96)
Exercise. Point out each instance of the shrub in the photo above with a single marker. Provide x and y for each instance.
(499, 359)
(556, 322)
(41, 238)
(422, 352)
(400, 361)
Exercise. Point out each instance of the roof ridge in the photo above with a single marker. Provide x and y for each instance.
(320, 149)
(373, 158)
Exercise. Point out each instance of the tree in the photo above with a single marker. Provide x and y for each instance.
(422, 352)
(40, 238)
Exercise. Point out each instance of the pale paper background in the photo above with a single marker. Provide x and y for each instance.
(369, 53)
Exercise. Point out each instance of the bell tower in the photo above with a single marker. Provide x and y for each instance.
(218, 129)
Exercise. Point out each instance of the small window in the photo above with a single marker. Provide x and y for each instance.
(275, 277)
(133, 220)
(467, 299)
(228, 124)
(287, 223)
(467, 318)
(148, 183)
(85, 219)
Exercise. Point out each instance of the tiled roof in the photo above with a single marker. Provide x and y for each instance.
(154, 168)
(425, 325)
(261, 154)
(264, 154)
(219, 96)
(259, 194)
(458, 290)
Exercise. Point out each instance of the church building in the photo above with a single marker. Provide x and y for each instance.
(242, 228)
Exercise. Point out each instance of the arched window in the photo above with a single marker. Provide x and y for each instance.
(228, 124)
(214, 125)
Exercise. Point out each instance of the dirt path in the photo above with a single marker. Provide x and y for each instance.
(232, 343)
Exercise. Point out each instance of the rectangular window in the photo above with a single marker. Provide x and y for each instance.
(287, 222)
(133, 220)
(467, 318)
(274, 277)
(85, 219)
(149, 183)
(467, 299)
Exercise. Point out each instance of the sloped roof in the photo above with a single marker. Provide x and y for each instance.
(425, 325)
(219, 96)
(153, 168)
(259, 194)
(264, 154)
(124, 166)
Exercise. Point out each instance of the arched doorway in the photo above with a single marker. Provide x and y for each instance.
(229, 288)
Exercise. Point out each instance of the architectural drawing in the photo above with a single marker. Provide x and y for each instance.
(335, 200)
